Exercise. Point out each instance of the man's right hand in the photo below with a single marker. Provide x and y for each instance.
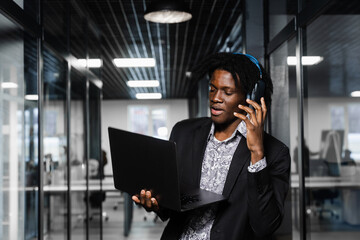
(145, 200)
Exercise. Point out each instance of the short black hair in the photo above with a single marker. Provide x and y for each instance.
(240, 67)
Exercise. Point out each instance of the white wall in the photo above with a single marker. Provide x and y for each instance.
(317, 119)
(114, 114)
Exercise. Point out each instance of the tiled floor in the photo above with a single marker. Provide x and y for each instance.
(141, 229)
(113, 229)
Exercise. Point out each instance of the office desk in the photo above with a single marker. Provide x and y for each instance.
(350, 192)
(94, 185)
(327, 182)
(80, 186)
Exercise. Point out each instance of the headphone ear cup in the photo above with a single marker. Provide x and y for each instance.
(257, 92)
(248, 96)
(252, 94)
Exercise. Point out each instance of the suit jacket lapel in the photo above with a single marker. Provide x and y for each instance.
(200, 141)
(241, 156)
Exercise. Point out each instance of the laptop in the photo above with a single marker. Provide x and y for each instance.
(143, 162)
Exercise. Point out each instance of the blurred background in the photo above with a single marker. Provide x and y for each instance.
(70, 69)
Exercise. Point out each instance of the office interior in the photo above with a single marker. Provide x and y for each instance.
(61, 90)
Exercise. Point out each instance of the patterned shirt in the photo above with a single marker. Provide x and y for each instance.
(215, 167)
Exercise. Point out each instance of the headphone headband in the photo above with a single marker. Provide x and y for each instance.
(253, 59)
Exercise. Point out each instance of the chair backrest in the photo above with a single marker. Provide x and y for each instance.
(318, 167)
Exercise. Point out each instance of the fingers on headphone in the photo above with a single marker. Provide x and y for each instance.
(263, 107)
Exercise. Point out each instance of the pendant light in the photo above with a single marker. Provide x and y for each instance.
(167, 11)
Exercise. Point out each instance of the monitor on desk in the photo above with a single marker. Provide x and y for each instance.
(331, 150)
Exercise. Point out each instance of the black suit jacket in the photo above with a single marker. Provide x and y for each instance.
(255, 204)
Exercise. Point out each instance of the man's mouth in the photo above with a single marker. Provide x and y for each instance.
(216, 111)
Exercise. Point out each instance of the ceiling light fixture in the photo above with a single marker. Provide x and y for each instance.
(167, 11)
(9, 85)
(134, 62)
(91, 63)
(306, 60)
(355, 94)
(32, 97)
(98, 83)
(94, 63)
(148, 96)
(143, 83)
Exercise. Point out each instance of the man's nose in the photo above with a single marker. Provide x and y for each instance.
(217, 96)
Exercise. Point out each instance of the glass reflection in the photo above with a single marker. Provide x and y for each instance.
(31, 122)
(332, 126)
(18, 138)
(281, 12)
(78, 155)
(96, 165)
(55, 147)
(284, 126)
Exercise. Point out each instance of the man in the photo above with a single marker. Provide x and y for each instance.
(230, 154)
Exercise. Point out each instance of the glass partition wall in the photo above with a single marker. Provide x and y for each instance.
(332, 123)
(51, 161)
(78, 158)
(284, 124)
(19, 159)
(96, 165)
(314, 62)
(50, 123)
(55, 146)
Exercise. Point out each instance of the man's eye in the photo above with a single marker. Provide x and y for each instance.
(228, 93)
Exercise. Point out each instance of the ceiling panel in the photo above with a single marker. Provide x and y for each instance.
(176, 47)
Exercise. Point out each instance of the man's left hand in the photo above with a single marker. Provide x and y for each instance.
(255, 128)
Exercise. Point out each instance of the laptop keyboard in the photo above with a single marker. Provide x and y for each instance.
(189, 199)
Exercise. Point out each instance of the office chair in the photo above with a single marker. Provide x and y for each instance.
(320, 197)
(320, 167)
(96, 199)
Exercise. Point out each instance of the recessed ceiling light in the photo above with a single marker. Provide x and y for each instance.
(91, 63)
(32, 97)
(306, 60)
(355, 94)
(134, 62)
(148, 96)
(94, 63)
(81, 63)
(143, 83)
(9, 85)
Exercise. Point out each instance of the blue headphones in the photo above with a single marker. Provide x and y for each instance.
(259, 88)
(253, 59)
